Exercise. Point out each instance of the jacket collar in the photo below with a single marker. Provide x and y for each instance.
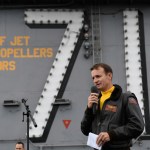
(116, 93)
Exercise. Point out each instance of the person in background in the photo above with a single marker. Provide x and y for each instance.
(118, 118)
(19, 146)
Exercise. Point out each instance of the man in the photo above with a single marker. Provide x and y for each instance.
(118, 118)
(19, 146)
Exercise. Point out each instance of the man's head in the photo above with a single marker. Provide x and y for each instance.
(102, 76)
(19, 146)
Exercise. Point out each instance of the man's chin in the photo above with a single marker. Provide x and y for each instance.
(99, 87)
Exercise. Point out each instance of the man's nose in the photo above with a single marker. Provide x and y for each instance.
(95, 80)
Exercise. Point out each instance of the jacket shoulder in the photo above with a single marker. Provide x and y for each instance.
(127, 95)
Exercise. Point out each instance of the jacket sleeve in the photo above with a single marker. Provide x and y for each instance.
(135, 123)
(86, 123)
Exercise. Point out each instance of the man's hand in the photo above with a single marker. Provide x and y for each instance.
(102, 138)
(93, 98)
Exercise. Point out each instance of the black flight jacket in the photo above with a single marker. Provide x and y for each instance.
(122, 120)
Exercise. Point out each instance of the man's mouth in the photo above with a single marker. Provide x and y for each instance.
(98, 84)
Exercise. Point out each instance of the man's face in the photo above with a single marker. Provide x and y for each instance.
(102, 80)
(19, 147)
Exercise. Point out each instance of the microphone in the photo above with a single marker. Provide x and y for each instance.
(24, 100)
(94, 89)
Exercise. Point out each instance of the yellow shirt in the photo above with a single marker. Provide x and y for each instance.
(105, 95)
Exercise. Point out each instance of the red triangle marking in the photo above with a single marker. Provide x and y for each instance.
(66, 123)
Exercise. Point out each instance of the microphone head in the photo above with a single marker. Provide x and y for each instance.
(24, 100)
(94, 89)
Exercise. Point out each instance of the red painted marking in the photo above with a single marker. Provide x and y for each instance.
(66, 123)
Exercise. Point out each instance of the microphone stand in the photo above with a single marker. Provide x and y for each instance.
(28, 114)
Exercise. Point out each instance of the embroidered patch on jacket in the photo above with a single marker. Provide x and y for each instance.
(132, 100)
(111, 108)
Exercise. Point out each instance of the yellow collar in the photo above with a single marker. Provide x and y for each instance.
(108, 91)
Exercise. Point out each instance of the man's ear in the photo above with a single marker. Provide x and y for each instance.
(110, 75)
